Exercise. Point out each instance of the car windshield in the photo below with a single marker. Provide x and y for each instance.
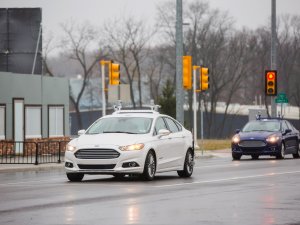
(259, 125)
(129, 125)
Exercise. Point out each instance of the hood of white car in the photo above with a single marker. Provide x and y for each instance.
(109, 139)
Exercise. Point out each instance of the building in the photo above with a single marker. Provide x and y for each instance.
(33, 106)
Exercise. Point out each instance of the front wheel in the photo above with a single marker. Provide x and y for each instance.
(188, 167)
(75, 177)
(150, 167)
(281, 154)
(236, 156)
(297, 154)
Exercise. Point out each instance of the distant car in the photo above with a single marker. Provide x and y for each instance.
(266, 136)
(140, 142)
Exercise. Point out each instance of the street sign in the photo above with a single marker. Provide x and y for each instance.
(281, 98)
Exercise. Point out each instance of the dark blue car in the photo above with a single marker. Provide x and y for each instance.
(274, 137)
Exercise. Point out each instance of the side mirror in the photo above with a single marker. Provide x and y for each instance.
(163, 132)
(81, 132)
(237, 131)
(287, 131)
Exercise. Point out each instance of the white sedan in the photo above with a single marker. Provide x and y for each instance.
(128, 142)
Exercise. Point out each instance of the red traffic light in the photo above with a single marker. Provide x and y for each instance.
(271, 75)
(271, 82)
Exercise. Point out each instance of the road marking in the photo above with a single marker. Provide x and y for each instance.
(33, 181)
(228, 179)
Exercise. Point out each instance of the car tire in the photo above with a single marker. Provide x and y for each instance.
(281, 154)
(149, 167)
(188, 167)
(254, 157)
(297, 154)
(75, 177)
(119, 175)
(236, 156)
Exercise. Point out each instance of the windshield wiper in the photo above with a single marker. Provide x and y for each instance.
(122, 132)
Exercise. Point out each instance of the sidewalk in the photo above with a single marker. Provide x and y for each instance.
(5, 168)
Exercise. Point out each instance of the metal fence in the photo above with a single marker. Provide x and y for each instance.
(29, 152)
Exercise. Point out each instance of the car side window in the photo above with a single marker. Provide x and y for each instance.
(171, 124)
(179, 126)
(159, 124)
(283, 126)
(290, 126)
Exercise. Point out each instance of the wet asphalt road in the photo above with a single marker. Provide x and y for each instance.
(221, 191)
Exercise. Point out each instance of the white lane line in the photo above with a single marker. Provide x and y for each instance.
(236, 164)
(227, 179)
(33, 181)
(215, 166)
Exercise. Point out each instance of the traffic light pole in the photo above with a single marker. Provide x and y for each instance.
(179, 54)
(273, 52)
(195, 106)
(103, 88)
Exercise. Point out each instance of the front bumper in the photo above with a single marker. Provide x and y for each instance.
(268, 149)
(122, 164)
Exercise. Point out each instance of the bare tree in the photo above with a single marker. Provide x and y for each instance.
(76, 44)
(157, 70)
(126, 42)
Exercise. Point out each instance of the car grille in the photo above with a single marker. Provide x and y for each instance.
(97, 153)
(96, 167)
(252, 144)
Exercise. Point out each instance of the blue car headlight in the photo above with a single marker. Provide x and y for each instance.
(273, 139)
(236, 139)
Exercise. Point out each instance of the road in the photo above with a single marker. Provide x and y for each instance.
(221, 191)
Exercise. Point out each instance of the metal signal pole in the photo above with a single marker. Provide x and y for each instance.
(179, 53)
(195, 105)
(273, 51)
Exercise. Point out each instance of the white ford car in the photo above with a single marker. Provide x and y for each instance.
(130, 142)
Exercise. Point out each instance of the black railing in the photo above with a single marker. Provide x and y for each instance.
(29, 152)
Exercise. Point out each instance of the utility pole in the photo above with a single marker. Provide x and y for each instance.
(273, 51)
(179, 53)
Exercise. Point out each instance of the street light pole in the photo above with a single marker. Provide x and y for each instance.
(179, 54)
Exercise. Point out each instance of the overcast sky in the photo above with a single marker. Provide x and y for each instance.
(250, 13)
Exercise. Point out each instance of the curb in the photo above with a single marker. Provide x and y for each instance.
(5, 168)
(212, 154)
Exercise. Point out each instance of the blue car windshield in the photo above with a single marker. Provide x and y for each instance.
(259, 125)
(129, 125)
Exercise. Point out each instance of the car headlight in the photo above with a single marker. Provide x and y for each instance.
(132, 147)
(236, 139)
(273, 138)
(71, 148)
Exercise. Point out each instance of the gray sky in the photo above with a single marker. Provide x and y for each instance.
(250, 13)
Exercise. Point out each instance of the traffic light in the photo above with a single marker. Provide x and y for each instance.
(114, 74)
(204, 79)
(187, 72)
(271, 82)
